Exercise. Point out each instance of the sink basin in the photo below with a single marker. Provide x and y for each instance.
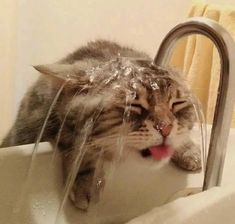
(132, 189)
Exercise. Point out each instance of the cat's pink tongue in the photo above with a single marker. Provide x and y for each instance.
(161, 152)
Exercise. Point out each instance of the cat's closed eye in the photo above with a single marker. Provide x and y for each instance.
(179, 104)
(137, 112)
(138, 108)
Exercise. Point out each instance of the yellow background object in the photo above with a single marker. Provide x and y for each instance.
(198, 58)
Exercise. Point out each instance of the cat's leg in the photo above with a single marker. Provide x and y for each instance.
(81, 191)
(88, 183)
(188, 156)
(87, 187)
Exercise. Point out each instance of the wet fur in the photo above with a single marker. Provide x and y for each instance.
(94, 92)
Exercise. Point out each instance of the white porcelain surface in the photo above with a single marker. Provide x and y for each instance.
(131, 190)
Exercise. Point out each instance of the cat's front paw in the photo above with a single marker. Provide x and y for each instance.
(80, 195)
(85, 190)
(188, 158)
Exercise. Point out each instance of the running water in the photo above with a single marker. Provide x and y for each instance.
(80, 151)
(25, 189)
(202, 128)
(120, 143)
(81, 148)
(62, 126)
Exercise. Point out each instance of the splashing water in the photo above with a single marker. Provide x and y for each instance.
(202, 128)
(123, 131)
(82, 140)
(20, 201)
(81, 150)
(120, 142)
(80, 153)
(62, 126)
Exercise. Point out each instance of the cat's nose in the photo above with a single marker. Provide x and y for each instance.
(164, 129)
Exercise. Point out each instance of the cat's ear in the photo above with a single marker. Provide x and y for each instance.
(72, 73)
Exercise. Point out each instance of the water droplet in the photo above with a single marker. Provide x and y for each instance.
(154, 85)
(99, 183)
(127, 71)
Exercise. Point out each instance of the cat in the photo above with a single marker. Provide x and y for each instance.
(127, 103)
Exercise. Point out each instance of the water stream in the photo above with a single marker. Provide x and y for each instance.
(27, 182)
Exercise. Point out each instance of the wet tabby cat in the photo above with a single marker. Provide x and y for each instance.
(132, 106)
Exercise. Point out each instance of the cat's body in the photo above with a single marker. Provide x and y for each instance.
(115, 99)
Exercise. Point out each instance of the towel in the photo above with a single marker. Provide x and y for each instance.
(198, 58)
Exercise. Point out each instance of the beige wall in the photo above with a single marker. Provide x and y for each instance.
(36, 32)
(48, 30)
(8, 15)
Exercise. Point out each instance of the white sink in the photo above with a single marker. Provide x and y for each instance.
(131, 190)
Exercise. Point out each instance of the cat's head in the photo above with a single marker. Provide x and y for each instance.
(136, 107)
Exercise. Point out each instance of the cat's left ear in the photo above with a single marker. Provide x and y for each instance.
(73, 73)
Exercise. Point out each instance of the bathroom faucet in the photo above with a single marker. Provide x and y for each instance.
(226, 89)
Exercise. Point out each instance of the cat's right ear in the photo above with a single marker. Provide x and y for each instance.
(64, 72)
